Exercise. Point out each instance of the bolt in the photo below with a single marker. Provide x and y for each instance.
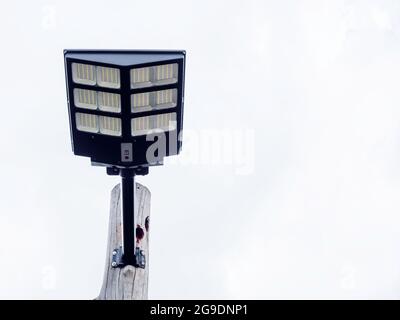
(114, 253)
(113, 264)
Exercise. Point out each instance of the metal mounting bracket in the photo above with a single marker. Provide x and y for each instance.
(139, 171)
(117, 260)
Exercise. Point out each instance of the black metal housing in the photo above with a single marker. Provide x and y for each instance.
(104, 149)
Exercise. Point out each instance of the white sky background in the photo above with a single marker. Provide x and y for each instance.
(307, 208)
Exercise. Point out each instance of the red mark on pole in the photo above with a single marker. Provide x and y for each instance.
(139, 233)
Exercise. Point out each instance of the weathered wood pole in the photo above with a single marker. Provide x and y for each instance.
(128, 283)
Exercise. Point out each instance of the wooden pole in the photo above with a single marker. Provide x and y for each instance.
(128, 283)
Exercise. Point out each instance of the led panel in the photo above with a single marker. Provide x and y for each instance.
(155, 123)
(83, 73)
(166, 74)
(85, 99)
(108, 77)
(154, 76)
(165, 121)
(110, 102)
(141, 77)
(140, 126)
(141, 102)
(154, 100)
(165, 99)
(110, 126)
(87, 122)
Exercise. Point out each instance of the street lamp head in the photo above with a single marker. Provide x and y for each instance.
(125, 107)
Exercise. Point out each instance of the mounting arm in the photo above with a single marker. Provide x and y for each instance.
(129, 254)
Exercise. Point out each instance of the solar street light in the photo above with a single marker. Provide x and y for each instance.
(121, 103)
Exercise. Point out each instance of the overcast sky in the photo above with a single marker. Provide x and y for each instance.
(288, 185)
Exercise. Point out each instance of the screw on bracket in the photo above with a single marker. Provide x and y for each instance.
(117, 258)
(140, 258)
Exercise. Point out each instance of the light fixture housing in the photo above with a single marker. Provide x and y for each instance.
(108, 89)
